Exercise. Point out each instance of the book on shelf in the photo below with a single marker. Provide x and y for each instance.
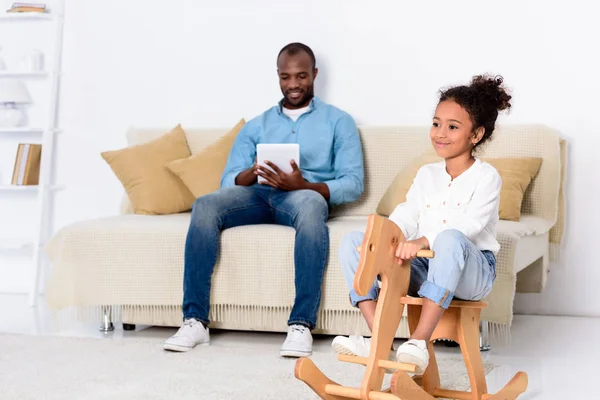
(29, 4)
(27, 7)
(27, 164)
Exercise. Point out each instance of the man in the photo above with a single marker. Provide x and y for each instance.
(331, 172)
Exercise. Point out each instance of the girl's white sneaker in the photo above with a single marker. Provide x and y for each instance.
(414, 352)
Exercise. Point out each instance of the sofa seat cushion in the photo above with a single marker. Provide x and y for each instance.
(139, 259)
(527, 226)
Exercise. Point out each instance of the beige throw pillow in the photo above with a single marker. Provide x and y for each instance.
(396, 192)
(201, 172)
(516, 175)
(151, 188)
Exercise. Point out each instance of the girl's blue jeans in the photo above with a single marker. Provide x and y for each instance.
(458, 271)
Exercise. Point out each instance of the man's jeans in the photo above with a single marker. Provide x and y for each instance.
(304, 210)
(458, 270)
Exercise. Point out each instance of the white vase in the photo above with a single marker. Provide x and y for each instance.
(2, 64)
(33, 62)
(10, 116)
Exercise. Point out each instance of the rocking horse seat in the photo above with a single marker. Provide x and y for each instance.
(418, 301)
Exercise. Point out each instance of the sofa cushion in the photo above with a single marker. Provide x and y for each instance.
(516, 175)
(149, 185)
(139, 259)
(201, 172)
(396, 192)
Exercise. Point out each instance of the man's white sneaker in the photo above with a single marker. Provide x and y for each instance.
(298, 342)
(414, 352)
(357, 346)
(191, 333)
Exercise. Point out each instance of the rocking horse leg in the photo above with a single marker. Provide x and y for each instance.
(387, 318)
(307, 372)
(404, 387)
(468, 337)
(512, 390)
(431, 377)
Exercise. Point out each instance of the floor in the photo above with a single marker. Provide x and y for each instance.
(556, 352)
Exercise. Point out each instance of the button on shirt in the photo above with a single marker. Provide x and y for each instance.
(330, 148)
(469, 203)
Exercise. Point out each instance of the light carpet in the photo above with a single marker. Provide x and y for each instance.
(51, 368)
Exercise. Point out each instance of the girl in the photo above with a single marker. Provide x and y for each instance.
(451, 208)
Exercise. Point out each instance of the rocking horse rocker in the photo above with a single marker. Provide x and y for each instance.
(459, 323)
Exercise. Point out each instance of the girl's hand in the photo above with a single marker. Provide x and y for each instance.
(408, 250)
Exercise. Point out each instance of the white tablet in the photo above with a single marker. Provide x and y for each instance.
(279, 154)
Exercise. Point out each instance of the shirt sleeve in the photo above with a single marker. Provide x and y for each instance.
(406, 215)
(348, 184)
(483, 207)
(242, 154)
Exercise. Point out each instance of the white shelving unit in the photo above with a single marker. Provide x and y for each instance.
(16, 244)
(29, 16)
(21, 130)
(17, 74)
(29, 188)
(27, 130)
(45, 133)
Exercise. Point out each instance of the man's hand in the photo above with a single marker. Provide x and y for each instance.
(408, 250)
(281, 180)
(248, 177)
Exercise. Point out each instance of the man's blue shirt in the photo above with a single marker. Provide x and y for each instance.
(330, 148)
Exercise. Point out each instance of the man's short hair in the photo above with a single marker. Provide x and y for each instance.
(295, 48)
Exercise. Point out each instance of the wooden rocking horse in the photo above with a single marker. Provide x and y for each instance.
(459, 323)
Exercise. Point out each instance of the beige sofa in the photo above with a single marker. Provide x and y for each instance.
(133, 264)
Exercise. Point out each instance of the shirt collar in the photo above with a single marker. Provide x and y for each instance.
(467, 172)
(314, 103)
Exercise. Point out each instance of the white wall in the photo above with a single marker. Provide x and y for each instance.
(203, 63)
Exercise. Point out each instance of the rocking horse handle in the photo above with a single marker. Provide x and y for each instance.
(420, 253)
(380, 242)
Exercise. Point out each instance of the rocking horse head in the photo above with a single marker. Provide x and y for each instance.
(377, 252)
